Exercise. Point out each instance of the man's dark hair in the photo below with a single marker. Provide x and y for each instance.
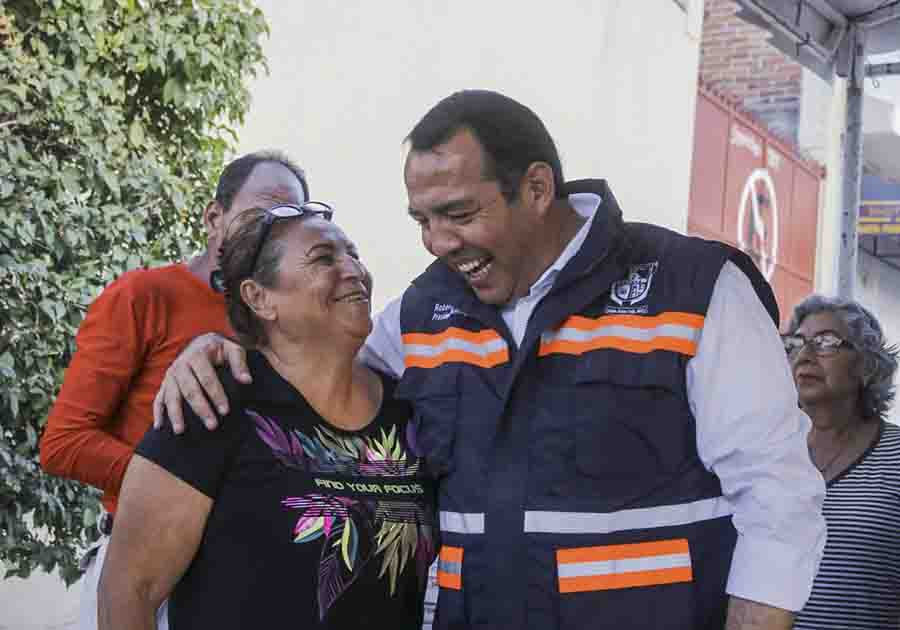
(512, 136)
(236, 173)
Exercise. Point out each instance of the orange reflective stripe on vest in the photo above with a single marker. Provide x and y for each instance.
(485, 348)
(624, 566)
(677, 332)
(449, 572)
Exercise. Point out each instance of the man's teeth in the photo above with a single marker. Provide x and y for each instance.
(476, 268)
(356, 297)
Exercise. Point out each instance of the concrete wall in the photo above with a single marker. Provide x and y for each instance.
(614, 81)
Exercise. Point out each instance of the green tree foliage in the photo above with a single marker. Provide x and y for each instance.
(114, 117)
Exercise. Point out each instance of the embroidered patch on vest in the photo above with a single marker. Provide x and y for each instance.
(630, 291)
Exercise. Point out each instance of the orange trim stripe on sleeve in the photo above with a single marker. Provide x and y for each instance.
(428, 339)
(484, 348)
(458, 356)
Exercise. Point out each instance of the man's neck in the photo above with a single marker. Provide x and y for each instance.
(558, 231)
(201, 266)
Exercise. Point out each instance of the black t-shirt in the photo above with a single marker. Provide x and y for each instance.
(311, 526)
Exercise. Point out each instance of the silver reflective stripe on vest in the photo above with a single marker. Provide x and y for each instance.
(481, 349)
(462, 522)
(624, 332)
(624, 565)
(450, 567)
(641, 518)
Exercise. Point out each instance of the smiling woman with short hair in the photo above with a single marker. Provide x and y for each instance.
(309, 507)
(844, 371)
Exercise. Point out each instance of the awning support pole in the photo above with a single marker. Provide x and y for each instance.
(852, 158)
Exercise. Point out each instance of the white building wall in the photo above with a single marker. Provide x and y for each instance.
(613, 80)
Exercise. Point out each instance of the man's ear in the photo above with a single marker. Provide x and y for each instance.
(214, 217)
(256, 298)
(538, 188)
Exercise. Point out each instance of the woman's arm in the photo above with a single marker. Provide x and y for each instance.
(158, 527)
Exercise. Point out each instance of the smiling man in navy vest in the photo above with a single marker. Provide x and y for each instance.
(607, 405)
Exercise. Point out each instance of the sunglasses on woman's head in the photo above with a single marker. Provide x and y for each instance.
(288, 211)
(281, 211)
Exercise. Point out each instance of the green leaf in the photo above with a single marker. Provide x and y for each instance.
(173, 91)
(88, 518)
(136, 133)
(19, 90)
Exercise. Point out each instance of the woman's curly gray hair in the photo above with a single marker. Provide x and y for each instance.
(866, 335)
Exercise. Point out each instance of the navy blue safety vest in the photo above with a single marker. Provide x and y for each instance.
(571, 492)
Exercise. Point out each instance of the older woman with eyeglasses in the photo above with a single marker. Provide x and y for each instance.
(309, 507)
(844, 373)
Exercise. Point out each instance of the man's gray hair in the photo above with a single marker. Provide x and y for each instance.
(865, 334)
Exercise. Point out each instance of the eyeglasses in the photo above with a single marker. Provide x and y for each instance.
(288, 211)
(825, 344)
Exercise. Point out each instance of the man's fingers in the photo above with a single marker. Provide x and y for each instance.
(159, 408)
(182, 385)
(205, 379)
(172, 402)
(236, 357)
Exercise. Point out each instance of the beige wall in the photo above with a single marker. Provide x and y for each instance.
(614, 80)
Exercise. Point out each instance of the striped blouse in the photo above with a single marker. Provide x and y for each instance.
(858, 584)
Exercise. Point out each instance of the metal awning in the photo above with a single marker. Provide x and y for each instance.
(820, 33)
(834, 38)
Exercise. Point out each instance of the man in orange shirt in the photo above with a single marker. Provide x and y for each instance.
(130, 335)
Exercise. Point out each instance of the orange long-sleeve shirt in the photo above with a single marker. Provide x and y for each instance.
(129, 336)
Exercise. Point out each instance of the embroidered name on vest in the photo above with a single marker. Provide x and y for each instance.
(445, 311)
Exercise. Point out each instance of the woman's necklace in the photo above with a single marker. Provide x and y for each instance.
(843, 447)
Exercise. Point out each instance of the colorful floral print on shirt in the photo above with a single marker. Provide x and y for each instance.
(372, 503)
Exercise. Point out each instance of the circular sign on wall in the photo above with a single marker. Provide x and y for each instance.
(757, 228)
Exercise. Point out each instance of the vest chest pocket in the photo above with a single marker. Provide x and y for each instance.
(633, 426)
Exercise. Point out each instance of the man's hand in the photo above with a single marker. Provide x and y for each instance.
(192, 374)
(746, 615)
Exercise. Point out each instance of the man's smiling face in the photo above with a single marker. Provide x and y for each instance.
(467, 222)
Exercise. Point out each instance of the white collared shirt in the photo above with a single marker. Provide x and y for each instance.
(517, 314)
(750, 431)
